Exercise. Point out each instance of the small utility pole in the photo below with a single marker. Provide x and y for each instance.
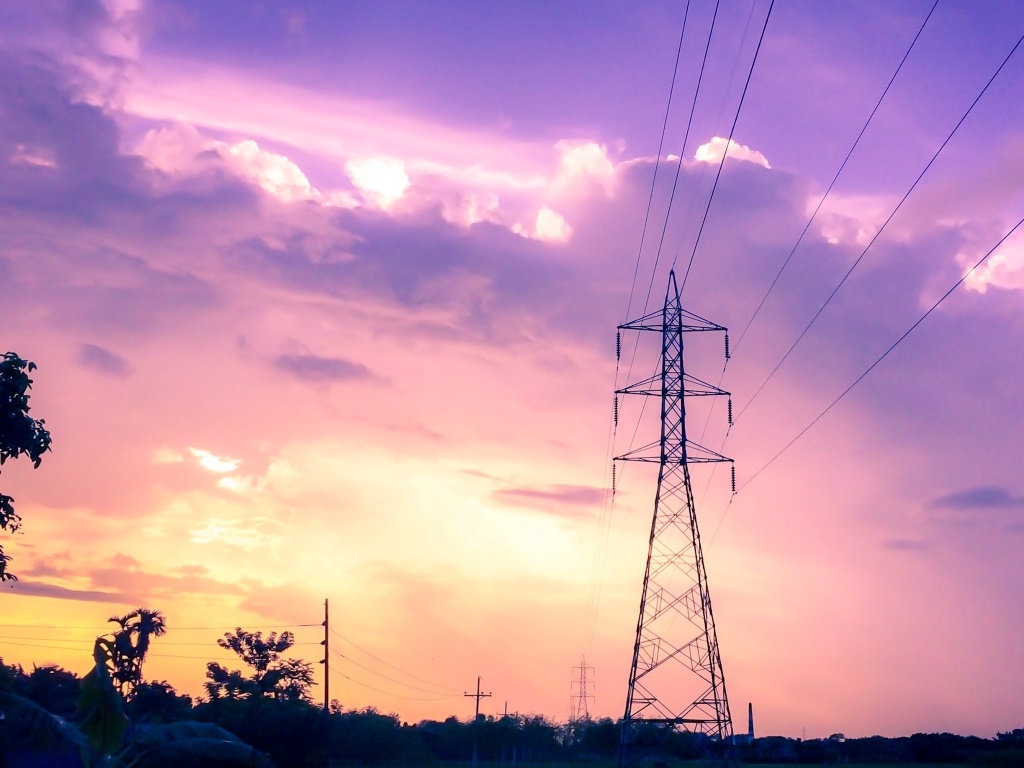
(326, 661)
(476, 716)
(477, 696)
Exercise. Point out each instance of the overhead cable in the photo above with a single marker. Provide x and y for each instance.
(882, 229)
(219, 628)
(382, 675)
(799, 239)
(389, 693)
(836, 177)
(885, 354)
(725, 152)
(386, 664)
(593, 598)
(661, 145)
(679, 162)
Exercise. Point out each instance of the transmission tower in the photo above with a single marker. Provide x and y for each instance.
(579, 708)
(676, 676)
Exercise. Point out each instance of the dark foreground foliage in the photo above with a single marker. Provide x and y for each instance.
(298, 734)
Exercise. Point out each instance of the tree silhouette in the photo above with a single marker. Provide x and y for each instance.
(19, 434)
(282, 679)
(158, 702)
(129, 646)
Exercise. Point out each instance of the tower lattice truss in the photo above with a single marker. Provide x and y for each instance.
(676, 676)
(579, 706)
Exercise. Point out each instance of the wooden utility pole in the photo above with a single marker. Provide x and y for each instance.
(477, 696)
(476, 717)
(326, 661)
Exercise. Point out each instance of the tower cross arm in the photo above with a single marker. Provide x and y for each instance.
(692, 387)
(695, 454)
(681, 320)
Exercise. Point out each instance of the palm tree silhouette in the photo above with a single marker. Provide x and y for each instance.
(131, 644)
(149, 624)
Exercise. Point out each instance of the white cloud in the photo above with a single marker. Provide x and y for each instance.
(1004, 269)
(180, 150)
(245, 534)
(275, 173)
(381, 179)
(585, 161)
(213, 462)
(332, 128)
(177, 149)
(549, 226)
(712, 152)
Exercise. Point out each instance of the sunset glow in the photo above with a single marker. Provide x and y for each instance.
(324, 305)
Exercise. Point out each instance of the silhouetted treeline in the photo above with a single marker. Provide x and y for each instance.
(298, 734)
(1007, 749)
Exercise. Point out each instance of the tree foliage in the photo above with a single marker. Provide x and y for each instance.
(158, 702)
(273, 676)
(20, 434)
(129, 645)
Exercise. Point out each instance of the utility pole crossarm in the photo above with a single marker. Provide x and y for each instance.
(478, 695)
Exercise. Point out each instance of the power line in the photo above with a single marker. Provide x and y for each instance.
(885, 354)
(679, 163)
(389, 693)
(381, 674)
(392, 666)
(606, 519)
(672, 194)
(661, 145)
(163, 643)
(219, 628)
(725, 152)
(882, 229)
(668, 210)
(836, 177)
(82, 646)
(714, 186)
(262, 627)
(85, 648)
(799, 240)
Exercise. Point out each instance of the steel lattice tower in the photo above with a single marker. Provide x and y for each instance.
(676, 677)
(579, 707)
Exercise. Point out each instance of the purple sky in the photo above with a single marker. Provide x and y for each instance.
(324, 296)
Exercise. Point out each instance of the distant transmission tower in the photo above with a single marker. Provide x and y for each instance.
(579, 707)
(676, 676)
